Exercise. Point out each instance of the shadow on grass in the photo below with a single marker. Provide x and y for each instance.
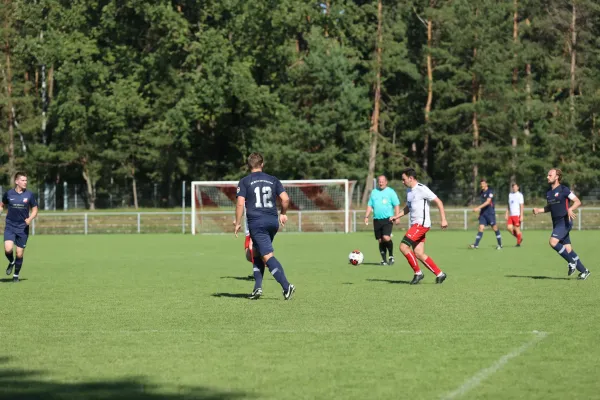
(389, 281)
(7, 280)
(17, 384)
(240, 278)
(240, 296)
(377, 264)
(538, 277)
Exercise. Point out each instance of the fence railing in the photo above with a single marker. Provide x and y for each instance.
(298, 221)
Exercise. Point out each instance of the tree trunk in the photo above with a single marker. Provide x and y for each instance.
(475, 91)
(527, 91)
(90, 186)
(134, 188)
(374, 129)
(429, 94)
(10, 146)
(515, 78)
(573, 62)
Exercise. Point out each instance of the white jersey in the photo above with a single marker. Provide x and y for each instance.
(514, 203)
(418, 199)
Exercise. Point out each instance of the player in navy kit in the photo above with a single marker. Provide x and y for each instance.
(258, 193)
(487, 215)
(562, 221)
(18, 201)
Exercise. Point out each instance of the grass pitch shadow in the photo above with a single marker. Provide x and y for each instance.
(18, 384)
(7, 280)
(538, 277)
(374, 263)
(240, 278)
(389, 281)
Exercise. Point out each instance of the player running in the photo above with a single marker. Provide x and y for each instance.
(256, 191)
(514, 213)
(562, 216)
(384, 203)
(19, 202)
(487, 215)
(417, 203)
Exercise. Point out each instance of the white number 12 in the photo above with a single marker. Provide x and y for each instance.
(266, 198)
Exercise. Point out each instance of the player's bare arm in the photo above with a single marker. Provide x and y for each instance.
(400, 214)
(522, 212)
(575, 206)
(396, 212)
(537, 211)
(367, 213)
(440, 205)
(239, 211)
(487, 202)
(285, 203)
(34, 212)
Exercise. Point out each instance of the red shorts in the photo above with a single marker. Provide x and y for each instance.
(248, 248)
(415, 235)
(514, 220)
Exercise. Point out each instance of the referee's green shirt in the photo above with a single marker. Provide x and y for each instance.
(383, 202)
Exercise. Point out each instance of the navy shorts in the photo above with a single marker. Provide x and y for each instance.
(18, 236)
(487, 219)
(561, 230)
(262, 237)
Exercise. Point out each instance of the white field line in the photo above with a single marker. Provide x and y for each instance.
(287, 331)
(485, 373)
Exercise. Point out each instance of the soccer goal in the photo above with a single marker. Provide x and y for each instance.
(315, 205)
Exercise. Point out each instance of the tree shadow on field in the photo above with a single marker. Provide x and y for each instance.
(389, 281)
(240, 278)
(538, 277)
(17, 384)
(10, 280)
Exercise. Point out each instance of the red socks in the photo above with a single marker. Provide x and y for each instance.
(430, 264)
(412, 261)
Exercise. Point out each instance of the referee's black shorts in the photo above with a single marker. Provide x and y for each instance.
(382, 227)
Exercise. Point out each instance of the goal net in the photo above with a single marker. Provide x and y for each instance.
(315, 205)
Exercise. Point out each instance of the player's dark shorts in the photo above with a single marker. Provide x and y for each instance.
(487, 219)
(561, 230)
(382, 227)
(262, 236)
(18, 236)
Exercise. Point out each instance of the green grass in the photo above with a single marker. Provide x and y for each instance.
(159, 317)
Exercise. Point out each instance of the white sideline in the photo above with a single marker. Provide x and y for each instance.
(485, 373)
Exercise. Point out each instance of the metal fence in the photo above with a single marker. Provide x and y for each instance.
(305, 221)
(74, 196)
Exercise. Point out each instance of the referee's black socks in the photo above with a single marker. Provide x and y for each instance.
(390, 248)
(10, 257)
(382, 248)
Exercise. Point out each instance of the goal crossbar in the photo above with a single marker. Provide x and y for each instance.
(347, 185)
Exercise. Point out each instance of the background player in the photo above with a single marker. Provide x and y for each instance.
(256, 192)
(487, 215)
(417, 203)
(384, 203)
(19, 201)
(514, 213)
(562, 216)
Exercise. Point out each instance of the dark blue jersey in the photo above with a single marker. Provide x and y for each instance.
(558, 200)
(260, 191)
(18, 205)
(484, 195)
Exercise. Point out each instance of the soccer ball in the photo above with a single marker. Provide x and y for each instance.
(356, 257)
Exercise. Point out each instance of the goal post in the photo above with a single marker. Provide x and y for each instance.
(320, 205)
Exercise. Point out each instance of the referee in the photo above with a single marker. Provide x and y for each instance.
(384, 203)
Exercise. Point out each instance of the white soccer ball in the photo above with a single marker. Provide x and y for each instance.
(356, 257)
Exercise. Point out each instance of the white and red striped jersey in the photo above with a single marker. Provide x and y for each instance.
(418, 199)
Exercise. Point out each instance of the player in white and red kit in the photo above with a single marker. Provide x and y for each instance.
(514, 213)
(413, 244)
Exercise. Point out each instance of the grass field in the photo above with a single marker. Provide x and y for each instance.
(163, 317)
